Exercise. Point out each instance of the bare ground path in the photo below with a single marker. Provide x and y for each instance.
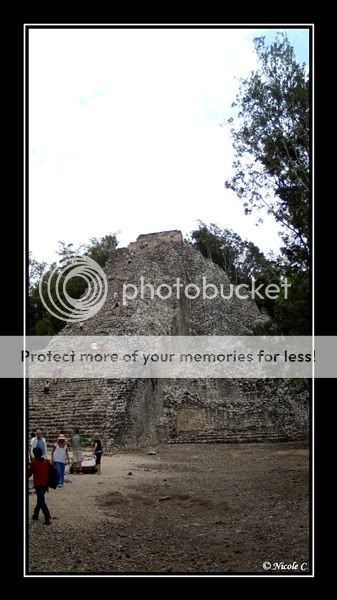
(216, 508)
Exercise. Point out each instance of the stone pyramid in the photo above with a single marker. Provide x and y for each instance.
(136, 413)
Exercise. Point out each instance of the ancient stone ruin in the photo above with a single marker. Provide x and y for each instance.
(136, 413)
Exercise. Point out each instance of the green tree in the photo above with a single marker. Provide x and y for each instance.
(101, 249)
(40, 320)
(272, 146)
(35, 269)
(242, 260)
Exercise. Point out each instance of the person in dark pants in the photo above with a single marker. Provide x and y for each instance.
(39, 468)
(98, 452)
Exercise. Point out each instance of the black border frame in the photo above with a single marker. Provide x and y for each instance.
(17, 385)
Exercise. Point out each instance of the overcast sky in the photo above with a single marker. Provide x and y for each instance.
(125, 132)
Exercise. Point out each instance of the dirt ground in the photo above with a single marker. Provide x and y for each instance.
(196, 508)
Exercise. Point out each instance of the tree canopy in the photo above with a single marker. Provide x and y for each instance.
(271, 140)
(40, 320)
(243, 260)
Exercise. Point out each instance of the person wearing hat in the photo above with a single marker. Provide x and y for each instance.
(61, 433)
(59, 458)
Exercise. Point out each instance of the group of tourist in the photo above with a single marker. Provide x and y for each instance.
(39, 464)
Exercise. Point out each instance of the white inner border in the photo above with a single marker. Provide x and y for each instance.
(25, 76)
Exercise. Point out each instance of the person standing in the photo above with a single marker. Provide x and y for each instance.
(38, 442)
(61, 433)
(76, 442)
(59, 458)
(98, 451)
(39, 468)
(31, 436)
(46, 387)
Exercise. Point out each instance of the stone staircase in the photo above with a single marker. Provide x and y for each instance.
(90, 404)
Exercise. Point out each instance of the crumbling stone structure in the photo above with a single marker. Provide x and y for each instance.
(151, 240)
(139, 412)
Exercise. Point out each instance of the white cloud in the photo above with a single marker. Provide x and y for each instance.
(124, 133)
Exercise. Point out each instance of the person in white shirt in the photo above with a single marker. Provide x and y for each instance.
(59, 458)
(38, 442)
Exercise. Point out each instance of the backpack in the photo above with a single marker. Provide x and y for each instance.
(52, 476)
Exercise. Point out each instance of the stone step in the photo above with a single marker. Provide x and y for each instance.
(225, 439)
(226, 436)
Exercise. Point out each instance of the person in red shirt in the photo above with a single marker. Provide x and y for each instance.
(39, 468)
